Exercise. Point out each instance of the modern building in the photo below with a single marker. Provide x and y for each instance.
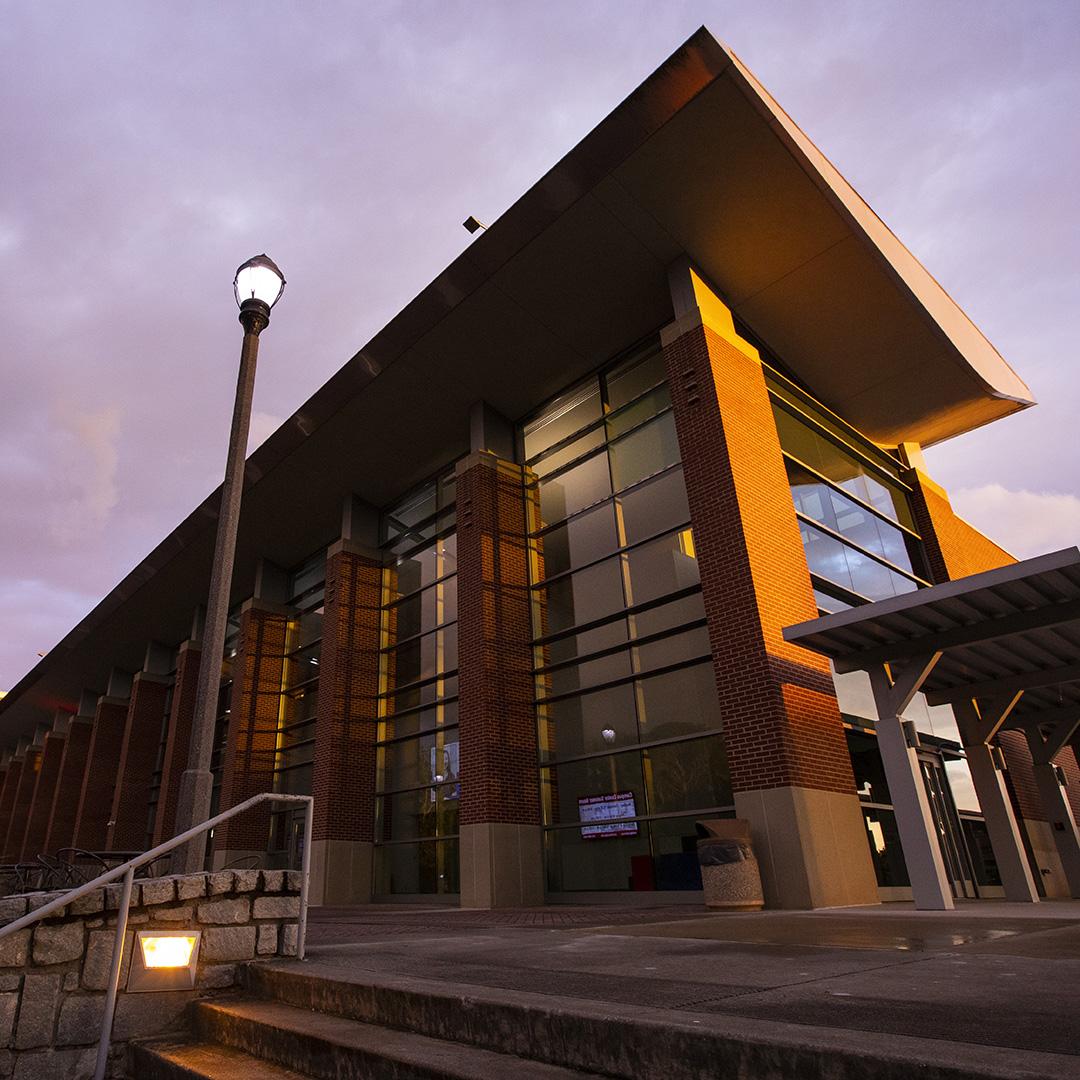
(511, 588)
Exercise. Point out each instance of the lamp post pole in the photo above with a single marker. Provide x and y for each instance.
(256, 294)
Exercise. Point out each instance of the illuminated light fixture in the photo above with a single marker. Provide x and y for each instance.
(164, 960)
(259, 279)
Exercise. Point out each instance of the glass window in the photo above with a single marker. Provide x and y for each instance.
(633, 378)
(429, 867)
(562, 418)
(680, 702)
(685, 775)
(581, 540)
(596, 864)
(644, 452)
(662, 566)
(419, 814)
(575, 489)
(654, 506)
(575, 782)
(583, 596)
(589, 723)
(885, 850)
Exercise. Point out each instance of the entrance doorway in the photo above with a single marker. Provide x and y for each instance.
(954, 852)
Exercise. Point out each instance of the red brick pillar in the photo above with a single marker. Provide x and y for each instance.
(181, 714)
(790, 768)
(20, 808)
(7, 801)
(346, 727)
(99, 781)
(138, 758)
(954, 550)
(248, 768)
(69, 783)
(37, 818)
(501, 860)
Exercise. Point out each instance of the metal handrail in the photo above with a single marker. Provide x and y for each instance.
(127, 871)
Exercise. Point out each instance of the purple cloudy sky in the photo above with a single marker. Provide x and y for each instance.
(146, 149)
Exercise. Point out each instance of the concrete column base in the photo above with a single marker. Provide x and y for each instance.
(1054, 880)
(811, 846)
(502, 866)
(341, 872)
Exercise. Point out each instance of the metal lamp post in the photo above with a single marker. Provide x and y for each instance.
(258, 286)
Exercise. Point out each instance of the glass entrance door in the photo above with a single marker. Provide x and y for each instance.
(947, 823)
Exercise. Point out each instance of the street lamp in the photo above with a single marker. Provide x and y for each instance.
(258, 287)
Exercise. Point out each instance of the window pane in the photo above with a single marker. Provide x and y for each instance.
(441, 715)
(590, 723)
(627, 381)
(414, 815)
(433, 758)
(602, 637)
(688, 645)
(688, 775)
(430, 867)
(656, 505)
(672, 614)
(549, 463)
(590, 673)
(627, 419)
(885, 851)
(584, 596)
(576, 781)
(646, 451)
(662, 566)
(423, 567)
(581, 540)
(678, 703)
(604, 864)
(562, 418)
(574, 489)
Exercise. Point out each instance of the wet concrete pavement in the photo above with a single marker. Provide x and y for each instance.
(989, 974)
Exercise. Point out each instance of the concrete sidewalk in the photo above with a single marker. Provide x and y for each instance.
(987, 975)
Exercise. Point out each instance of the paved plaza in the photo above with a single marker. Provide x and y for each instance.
(988, 975)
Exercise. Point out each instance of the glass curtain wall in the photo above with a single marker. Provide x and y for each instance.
(159, 761)
(854, 516)
(295, 751)
(221, 725)
(629, 730)
(417, 772)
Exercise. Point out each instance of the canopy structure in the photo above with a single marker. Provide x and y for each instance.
(1003, 649)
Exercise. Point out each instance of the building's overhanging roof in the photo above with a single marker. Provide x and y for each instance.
(1015, 629)
(698, 161)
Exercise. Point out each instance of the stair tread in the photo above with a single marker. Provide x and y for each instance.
(213, 1061)
(407, 1047)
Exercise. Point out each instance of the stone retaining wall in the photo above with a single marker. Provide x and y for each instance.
(53, 975)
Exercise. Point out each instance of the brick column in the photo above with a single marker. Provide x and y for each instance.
(181, 714)
(248, 768)
(69, 783)
(790, 767)
(99, 781)
(346, 727)
(501, 860)
(20, 807)
(138, 757)
(37, 818)
(7, 801)
(954, 550)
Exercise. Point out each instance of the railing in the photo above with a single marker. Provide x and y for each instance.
(127, 872)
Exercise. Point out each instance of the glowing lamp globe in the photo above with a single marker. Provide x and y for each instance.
(259, 279)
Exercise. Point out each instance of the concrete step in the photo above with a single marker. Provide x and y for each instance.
(632, 1042)
(331, 1047)
(191, 1060)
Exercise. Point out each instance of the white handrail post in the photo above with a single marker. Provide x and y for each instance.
(305, 877)
(114, 976)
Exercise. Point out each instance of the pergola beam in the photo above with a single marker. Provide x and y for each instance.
(989, 629)
(1027, 680)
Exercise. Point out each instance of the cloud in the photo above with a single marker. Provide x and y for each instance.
(89, 457)
(1026, 523)
(263, 425)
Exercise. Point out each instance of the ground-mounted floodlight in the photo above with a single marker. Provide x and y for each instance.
(164, 960)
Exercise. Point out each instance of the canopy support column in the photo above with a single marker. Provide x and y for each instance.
(1054, 800)
(893, 692)
(977, 727)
